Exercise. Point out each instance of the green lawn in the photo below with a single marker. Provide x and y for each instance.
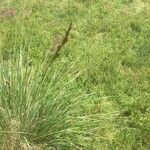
(94, 95)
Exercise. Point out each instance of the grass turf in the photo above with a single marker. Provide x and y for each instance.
(108, 101)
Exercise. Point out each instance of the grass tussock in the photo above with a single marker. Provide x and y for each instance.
(41, 106)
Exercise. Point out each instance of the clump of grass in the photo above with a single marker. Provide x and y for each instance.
(36, 103)
(41, 106)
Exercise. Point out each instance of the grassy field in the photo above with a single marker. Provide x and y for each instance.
(86, 87)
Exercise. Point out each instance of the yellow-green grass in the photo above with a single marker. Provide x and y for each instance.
(102, 74)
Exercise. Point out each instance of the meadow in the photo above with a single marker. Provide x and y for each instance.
(74, 74)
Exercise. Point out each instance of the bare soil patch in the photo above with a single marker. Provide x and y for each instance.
(7, 12)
